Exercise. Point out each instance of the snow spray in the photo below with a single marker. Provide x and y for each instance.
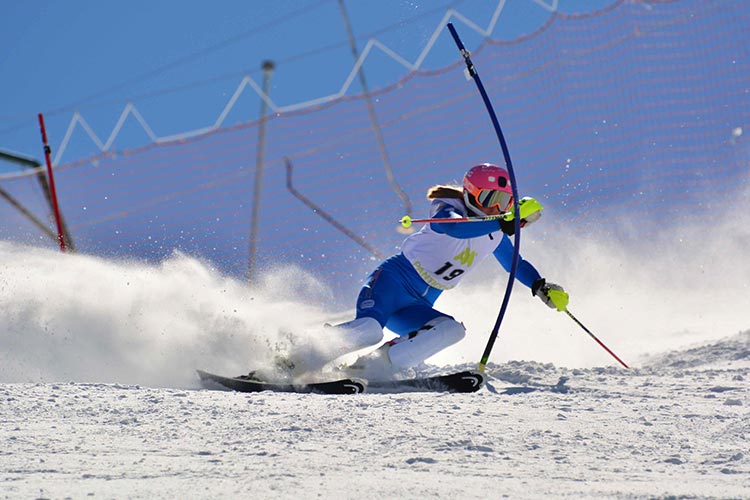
(73, 317)
(643, 296)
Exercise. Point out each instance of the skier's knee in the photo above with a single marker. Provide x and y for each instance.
(432, 338)
(447, 328)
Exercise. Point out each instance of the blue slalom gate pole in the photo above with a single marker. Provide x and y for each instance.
(472, 72)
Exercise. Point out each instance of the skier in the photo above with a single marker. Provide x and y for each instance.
(400, 293)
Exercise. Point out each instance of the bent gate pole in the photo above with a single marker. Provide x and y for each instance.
(472, 73)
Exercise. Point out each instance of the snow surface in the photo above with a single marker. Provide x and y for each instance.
(654, 432)
(98, 394)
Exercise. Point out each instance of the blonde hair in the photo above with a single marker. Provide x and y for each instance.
(445, 191)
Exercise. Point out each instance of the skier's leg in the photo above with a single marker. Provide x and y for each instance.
(434, 336)
(312, 353)
(423, 331)
(353, 335)
(383, 293)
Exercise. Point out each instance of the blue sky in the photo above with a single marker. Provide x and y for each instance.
(180, 62)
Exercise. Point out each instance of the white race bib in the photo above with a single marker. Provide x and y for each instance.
(441, 260)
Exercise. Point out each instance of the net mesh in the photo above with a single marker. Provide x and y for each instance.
(639, 106)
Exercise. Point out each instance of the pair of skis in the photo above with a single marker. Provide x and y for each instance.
(465, 381)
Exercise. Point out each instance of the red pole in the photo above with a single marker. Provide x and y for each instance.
(56, 208)
(597, 340)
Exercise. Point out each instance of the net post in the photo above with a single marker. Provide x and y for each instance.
(268, 67)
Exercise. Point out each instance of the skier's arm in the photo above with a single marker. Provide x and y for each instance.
(526, 273)
(530, 210)
(551, 294)
(461, 231)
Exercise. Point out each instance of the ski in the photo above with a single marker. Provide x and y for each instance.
(246, 384)
(465, 381)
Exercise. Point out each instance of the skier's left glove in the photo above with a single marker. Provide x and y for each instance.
(530, 211)
(551, 294)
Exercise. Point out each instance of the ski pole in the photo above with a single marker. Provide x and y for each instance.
(594, 337)
(530, 208)
(407, 221)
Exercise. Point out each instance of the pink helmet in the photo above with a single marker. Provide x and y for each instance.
(487, 186)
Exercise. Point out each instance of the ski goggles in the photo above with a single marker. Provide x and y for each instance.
(489, 198)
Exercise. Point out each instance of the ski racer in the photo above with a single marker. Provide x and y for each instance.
(400, 293)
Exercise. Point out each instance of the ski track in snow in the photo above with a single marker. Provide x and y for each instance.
(659, 431)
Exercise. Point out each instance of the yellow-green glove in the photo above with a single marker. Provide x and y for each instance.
(530, 211)
(529, 208)
(551, 294)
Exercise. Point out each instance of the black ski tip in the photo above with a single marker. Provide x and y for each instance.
(460, 382)
(466, 381)
(344, 386)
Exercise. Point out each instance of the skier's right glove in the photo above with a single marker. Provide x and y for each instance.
(530, 211)
(551, 294)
